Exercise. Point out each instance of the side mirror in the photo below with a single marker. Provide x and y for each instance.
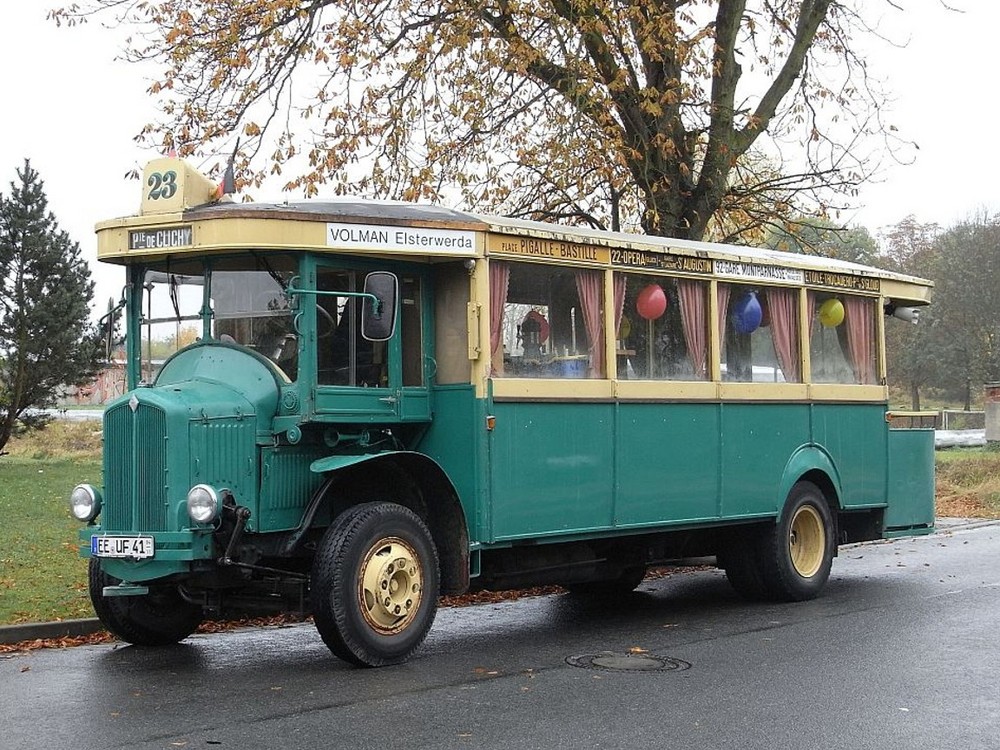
(378, 315)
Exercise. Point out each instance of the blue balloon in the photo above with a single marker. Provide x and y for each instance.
(747, 313)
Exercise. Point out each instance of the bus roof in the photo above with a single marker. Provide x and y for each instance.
(177, 229)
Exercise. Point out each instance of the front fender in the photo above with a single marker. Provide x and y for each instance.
(336, 463)
(442, 512)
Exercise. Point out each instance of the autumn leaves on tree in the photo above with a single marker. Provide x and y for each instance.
(691, 118)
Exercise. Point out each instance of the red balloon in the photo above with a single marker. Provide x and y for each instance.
(651, 302)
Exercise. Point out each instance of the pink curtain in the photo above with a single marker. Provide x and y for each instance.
(588, 287)
(619, 300)
(723, 297)
(860, 321)
(811, 311)
(499, 278)
(782, 304)
(692, 302)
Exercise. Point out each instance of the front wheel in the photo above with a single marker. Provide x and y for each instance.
(159, 618)
(374, 584)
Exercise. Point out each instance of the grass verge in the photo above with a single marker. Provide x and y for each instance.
(968, 483)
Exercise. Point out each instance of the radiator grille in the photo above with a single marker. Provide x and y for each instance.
(135, 464)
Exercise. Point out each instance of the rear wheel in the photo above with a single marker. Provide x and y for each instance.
(159, 618)
(797, 554)
(375, 584)
(790, 561)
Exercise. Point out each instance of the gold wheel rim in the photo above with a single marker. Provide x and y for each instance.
(807, 541)
(390, 585)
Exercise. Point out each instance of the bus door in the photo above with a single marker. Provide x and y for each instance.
(360, 378)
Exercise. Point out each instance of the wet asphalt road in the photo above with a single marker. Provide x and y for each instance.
(901, 652)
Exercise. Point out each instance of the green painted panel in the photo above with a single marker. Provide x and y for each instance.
(552, 468)
(757, 441)
(911, 479)
(287, 485)
(854, 435)
(357, 404)
(414, 405)
(667, 463)
(456, 440)
(223, 455)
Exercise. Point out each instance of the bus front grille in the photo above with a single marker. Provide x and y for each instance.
(135, 469)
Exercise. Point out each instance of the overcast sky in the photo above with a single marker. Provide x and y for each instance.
(73, 109)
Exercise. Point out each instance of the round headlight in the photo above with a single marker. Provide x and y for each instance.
(203, 503)
(85, 502)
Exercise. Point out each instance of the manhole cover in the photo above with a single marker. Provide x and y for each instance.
(640, 662)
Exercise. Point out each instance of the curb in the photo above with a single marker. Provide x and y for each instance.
(943, 525)
(33, 631)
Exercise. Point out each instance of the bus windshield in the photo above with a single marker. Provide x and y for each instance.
(247, 307)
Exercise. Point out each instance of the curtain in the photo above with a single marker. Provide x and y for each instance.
(692, 303)
(723, 298)
(619, 300)
(588, 288)
(811, 312)
(860, 323)
(499, 278)
(782, 304)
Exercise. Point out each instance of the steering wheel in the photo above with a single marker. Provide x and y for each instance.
(331, 324)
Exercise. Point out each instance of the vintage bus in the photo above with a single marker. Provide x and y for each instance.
(350, 408)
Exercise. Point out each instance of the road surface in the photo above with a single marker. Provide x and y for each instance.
(900, 652)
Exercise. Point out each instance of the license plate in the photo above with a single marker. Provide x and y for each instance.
(137, 547)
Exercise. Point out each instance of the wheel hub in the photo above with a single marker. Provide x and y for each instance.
(807, 541)
(390, 585)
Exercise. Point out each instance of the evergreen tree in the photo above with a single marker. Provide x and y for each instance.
(45, 292)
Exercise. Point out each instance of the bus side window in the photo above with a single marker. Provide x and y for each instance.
(550, 324)
(760, 334)
(843, 338)
(343, 355)
(662, 327)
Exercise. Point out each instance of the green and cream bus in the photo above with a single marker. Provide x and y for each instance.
(347, 409)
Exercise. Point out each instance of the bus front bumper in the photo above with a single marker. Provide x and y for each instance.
(137, 557)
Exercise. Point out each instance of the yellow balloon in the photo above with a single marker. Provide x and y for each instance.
(831, 313)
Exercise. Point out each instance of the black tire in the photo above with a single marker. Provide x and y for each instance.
(159, 618)
(624, 584)
(797, 554)
(359, 557)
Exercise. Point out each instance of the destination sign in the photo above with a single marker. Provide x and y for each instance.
(542, 248)
(843, 281)
(660, 261)
(159, 239)
(757, 271)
